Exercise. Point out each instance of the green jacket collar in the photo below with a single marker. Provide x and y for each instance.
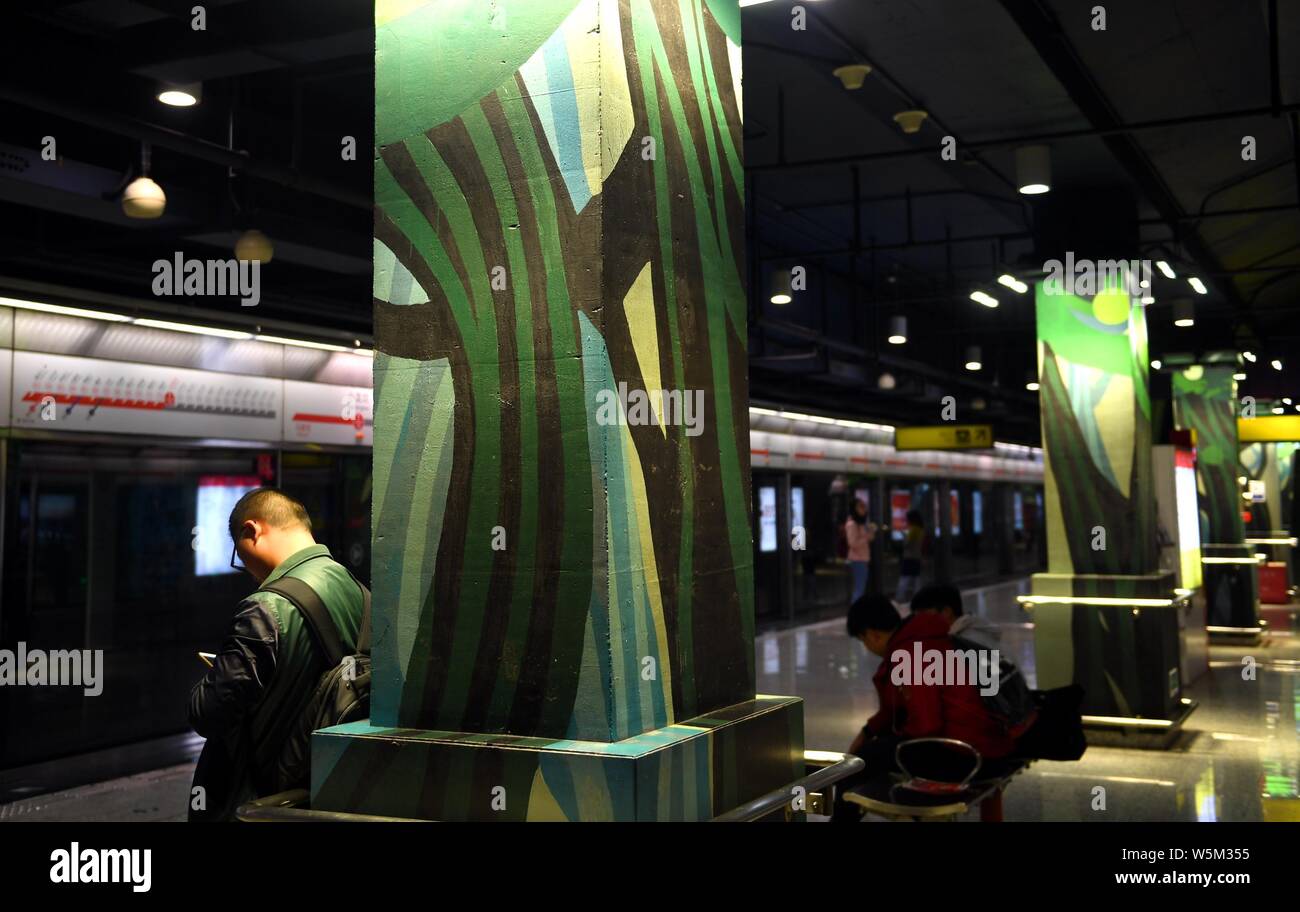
(294, 560)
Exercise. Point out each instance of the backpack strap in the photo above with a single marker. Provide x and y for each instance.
(319, 622)
(363, 635)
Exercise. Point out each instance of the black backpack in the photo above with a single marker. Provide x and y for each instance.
(1057, 732)
(342, 693)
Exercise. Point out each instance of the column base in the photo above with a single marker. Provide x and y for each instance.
(1116, 636)
(693, 770)
(1231, 584)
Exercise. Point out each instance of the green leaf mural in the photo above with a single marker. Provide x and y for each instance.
(530, 253)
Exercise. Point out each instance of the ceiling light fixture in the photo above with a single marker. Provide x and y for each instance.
(1033, 170)
(1239, 376)
(1156, 364)
(1184, 312)
(852, 76)
(887, 382)
(897, 330)
(1013, 283)
(1031, 382)
(181, 96)
(1166, 269)
(1277, 364)
(255, 247)
(986, 299)
(142, 198)
(973, 362)
(911, 121)
(1198, 285)
(781, 293)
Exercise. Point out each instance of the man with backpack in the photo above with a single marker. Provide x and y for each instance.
(913, 706)
(297, 656)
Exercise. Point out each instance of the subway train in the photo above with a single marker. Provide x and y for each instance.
(126, 439)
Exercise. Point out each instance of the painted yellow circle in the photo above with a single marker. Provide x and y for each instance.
(1110, 307)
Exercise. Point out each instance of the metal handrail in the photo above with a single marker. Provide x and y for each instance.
(779, 799)
(285, 806)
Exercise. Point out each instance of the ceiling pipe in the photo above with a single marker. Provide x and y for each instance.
(186, 145)
(1032, 138)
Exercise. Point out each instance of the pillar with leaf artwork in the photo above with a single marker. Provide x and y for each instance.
(563, 580)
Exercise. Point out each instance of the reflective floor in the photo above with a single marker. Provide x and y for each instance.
(1238, 758)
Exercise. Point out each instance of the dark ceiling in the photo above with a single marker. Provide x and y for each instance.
(1144, 121)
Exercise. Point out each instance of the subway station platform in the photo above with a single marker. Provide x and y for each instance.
(1237, 759)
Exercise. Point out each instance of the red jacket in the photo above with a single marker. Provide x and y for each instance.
(934, 710)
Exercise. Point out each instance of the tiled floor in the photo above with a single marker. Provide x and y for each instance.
(1239, 758)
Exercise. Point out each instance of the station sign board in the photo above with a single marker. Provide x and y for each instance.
(944, 437)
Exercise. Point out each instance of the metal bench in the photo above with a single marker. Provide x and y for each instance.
(906, 796)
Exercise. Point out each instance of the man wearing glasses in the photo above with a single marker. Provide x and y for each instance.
(269, 664)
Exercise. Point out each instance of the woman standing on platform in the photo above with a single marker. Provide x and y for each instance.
(909, 575)
(859, 533)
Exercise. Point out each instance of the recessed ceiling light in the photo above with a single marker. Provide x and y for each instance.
(1184, 313)
(1198, 285)
(1166, 269)
(1238, 376)
(181, 96)
(1156, 365)
(986, 299)
(1013, 283)
(973, 358)
(1277, 364)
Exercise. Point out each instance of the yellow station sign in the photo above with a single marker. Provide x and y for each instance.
(944, 437)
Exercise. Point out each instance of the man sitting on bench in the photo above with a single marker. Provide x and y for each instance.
(914, 704)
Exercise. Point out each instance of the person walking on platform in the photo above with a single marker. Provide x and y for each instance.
(859, 533)
(261, 683)
(909, 575)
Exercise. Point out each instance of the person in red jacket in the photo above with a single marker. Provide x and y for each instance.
(908, 708)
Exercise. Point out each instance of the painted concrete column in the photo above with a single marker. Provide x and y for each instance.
(1103, 612)
(563, 579)
(1205, 401)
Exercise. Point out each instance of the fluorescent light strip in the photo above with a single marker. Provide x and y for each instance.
(983, 298)
(189, 328)
(1127, 722)
(1198, 285)
(1165, 268)
(1230, 560)
(1272, 541)
(64, 311)
(1095, 600)
(323, 346)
